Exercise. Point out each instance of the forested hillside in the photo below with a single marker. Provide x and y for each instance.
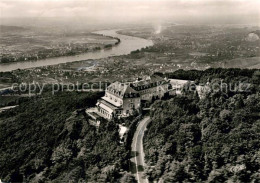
(228, 75)
(214, 139)
(48, 138)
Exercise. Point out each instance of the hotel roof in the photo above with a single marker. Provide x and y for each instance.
(122, 89)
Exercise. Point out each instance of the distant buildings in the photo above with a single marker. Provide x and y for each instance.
(122, 99)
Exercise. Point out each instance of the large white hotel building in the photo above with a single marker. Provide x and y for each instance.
(122, 99)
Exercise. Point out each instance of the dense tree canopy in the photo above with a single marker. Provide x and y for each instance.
(48, 138)
(215, 139)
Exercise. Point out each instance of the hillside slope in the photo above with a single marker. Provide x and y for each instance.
(215, 139)
(48, 139)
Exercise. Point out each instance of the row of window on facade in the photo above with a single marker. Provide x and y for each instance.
(149, 91)
(130, 95)
(149, 86)
(115, 99)
(104, 112)
(113, 91)
(120, 112)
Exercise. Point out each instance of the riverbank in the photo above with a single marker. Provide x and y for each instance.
(126, 46)
(72, 49)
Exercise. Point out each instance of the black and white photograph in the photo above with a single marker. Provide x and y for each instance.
(129, 91)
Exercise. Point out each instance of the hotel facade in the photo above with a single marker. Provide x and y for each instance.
(123, 99)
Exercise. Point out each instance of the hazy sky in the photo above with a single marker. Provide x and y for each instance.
(203, 11)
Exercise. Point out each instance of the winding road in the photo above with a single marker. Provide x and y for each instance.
(137, 149)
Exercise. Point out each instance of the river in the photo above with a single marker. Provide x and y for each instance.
(127, 44)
